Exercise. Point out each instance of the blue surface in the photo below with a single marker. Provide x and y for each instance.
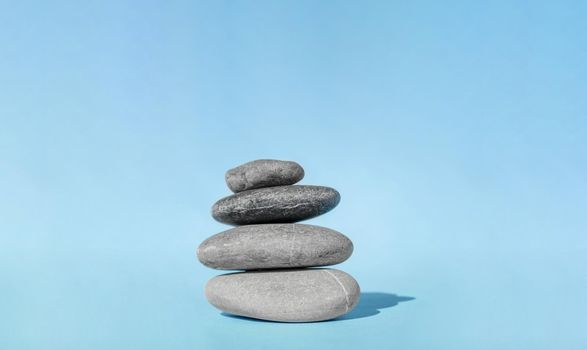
(456, 133)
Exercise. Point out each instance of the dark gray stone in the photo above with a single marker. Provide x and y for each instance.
(282, 204)
(274, 246)
(263, 173)
(304, 295)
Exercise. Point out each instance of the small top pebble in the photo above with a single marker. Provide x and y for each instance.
(263, 173)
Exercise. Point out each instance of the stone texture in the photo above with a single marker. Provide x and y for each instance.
(272, 246)
(282, 204)
(303, 295)
(263, 173)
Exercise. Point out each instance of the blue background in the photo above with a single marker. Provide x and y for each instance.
(456, 133)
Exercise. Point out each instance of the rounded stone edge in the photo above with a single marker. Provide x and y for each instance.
(215, 211)
(351, 247)
(200, 256)
(335, 201)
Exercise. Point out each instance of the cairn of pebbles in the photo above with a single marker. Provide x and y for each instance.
(277, 255)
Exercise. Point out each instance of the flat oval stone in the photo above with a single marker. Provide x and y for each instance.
(263, 173)
(304, 295)
(282, 204)
(274, 246)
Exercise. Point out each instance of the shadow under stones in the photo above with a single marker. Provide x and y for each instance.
(370, 304)
(245, 318)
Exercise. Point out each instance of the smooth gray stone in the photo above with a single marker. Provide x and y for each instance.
(274, 246)
(263, 173)
(282, 204)
(304, 295)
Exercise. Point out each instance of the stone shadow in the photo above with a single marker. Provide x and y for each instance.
(371, 303)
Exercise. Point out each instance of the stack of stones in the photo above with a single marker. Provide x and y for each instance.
(277, 255)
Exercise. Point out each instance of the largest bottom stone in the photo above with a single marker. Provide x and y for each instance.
(303, 295)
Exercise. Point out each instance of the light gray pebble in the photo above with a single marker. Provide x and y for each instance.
(304, 295)
(273, 246)
(281, 204)
(263, 173)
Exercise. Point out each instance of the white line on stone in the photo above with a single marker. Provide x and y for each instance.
(291, 250)
(346, 294)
